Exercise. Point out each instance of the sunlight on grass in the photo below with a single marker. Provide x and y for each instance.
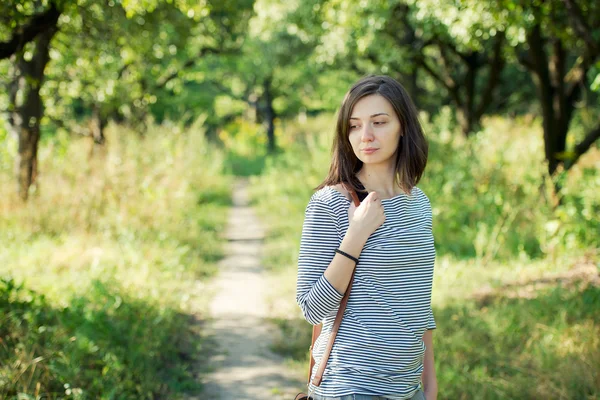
(113, 250)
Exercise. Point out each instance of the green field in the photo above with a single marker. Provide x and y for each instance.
(102, 293)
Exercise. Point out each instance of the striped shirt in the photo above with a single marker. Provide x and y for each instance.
(379, 348)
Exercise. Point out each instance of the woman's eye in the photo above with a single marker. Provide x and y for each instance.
(378, 122)
(353, 127)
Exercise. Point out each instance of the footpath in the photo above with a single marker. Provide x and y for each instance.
(241, 365)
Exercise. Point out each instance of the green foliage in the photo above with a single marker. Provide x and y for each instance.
(484, 201)
(244, 144)
(293, 338)
(16, 13)
(273, 74)
(521, 348)
(106, 344)
(126, 58)
(5, 159)
(112, 251)
(127, 225)
(576, 221)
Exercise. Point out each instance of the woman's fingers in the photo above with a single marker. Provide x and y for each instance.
(351, 211)
(369, 213)
(372, 196)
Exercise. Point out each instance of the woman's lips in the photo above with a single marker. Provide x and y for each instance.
(369, 151)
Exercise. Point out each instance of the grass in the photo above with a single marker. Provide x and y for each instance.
(516, 291)
(512, 348)
(103, 270)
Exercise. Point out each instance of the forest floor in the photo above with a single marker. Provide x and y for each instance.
(241, 364)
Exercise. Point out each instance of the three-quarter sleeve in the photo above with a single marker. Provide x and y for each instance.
(431, 320)
(314, 293)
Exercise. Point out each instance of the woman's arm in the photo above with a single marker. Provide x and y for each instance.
(319, 293)
(340, 270)
(323, 275)
(428, 377)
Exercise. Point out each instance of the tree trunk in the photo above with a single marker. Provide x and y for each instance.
(470, 120)
(558, 91)
(97, 124)
(556, 111)
(96, 127)
(269, 116)
(27, 109)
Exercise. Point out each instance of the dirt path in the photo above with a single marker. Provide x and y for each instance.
(242, 365)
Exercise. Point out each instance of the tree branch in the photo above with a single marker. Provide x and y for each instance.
(446, 63)
(24, 34)
(123, 69)
(188, 64)
(245, 97)
(448, 84)
(574, 79)
(579, 25)
(524, 58)
(584, 145)
(497, 64)
(443, 44)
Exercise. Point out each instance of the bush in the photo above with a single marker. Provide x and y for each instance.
(119, 240)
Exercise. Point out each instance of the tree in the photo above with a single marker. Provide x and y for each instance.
(22, 22)
(463, 54)
(27, 108)
(273, 71)
(30, 27)
(430, 48)
(560, 47)
(108, 60)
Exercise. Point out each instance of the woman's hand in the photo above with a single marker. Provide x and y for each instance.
(368, 216)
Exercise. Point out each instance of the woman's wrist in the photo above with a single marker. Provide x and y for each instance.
(353, 242)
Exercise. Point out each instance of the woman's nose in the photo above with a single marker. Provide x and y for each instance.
(367, 133)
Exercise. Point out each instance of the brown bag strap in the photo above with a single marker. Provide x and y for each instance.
(315, 334)
(336, 324)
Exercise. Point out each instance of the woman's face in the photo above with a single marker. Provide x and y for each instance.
(374, 125)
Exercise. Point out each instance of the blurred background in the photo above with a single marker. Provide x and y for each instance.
(125, 123)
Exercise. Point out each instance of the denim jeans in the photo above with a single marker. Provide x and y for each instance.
(419, 395)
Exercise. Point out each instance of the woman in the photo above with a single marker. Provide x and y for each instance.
(384, 348)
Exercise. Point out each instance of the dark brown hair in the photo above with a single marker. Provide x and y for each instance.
(413, 147)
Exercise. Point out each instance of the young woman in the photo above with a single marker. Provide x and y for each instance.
(384, 348)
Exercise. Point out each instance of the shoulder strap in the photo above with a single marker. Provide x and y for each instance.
(336, 324)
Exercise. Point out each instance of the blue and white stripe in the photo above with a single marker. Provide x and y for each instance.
(379, 348)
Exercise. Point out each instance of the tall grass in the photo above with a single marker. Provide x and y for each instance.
(103, 268)
(498, 231)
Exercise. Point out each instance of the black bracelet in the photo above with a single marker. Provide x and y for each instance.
(347, 255)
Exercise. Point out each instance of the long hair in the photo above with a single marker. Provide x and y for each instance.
(413, 148)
